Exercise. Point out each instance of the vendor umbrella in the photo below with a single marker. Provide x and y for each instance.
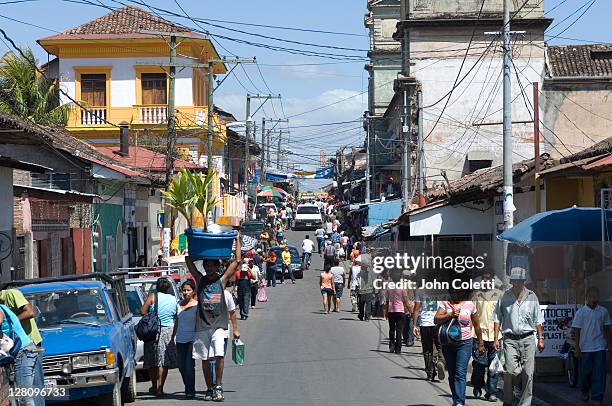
(274, 188)
(270, 193)
(560, 227)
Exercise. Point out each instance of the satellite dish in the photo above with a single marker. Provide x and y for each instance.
(6, 245)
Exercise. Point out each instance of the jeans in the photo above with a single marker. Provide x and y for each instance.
(431, 349)
(396, 325)
(593, 374)
(26, 372)
(365, 305)
(271, 275)
(186, 366)
(408, 331)
(244, 297)
(319, 243)
(457, 357)
(480, 364)
(286, 268)
(254, 290)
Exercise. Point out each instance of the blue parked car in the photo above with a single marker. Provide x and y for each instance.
(88, 335)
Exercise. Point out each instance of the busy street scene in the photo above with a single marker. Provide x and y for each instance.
(350, 202)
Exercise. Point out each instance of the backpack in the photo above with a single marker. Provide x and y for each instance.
(149, 326)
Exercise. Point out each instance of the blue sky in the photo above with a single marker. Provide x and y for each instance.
(303, 87)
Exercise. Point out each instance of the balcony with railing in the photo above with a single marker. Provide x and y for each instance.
(93, 116)
(143, 116)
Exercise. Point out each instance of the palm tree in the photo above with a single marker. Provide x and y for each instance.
(26, 93)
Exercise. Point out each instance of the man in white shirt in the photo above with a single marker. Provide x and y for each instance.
(307, 248)
(255, 281)
(338, 273)
(593, 338)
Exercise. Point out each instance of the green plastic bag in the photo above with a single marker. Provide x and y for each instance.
(238, 349)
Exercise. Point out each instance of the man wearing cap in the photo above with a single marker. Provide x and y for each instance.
(160, 258)
(517, 315)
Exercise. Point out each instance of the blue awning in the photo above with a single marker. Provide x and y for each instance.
(561, 227)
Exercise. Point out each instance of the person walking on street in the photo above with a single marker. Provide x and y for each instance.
(485, 302)
(329, 255)
(242, 282)
(307, 248)
(457, 354)
(319, 233)
(160, 355)
(286, 257)
(18, 304)
(397, 302)
(289, 217)
(326, 282)
(213, 319)
(354, 280)
(271, 268)
(365, 289)
(408, 324)
(425, 309)
(26, 358)
(184, 335)
(518, 317)
(593, 340)
(255, 282)
(338, 273)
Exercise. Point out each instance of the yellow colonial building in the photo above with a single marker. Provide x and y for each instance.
(117, 70)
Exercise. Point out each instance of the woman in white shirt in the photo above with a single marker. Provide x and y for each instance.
(184, 335)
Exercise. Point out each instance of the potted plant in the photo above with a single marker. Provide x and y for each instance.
(189, 193)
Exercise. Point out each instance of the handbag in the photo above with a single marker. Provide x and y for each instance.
(149, 326)
(262, 297)
(11, 355)
(449, 332)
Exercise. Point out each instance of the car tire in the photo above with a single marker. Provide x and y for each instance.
(112, 398)
(128, 388)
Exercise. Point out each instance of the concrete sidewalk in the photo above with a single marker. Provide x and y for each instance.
(555, 391)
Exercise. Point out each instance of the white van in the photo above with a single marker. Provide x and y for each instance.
(307, 217)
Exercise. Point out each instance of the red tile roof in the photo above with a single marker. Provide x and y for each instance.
(144, 159)
(579, 60)
(126, 22)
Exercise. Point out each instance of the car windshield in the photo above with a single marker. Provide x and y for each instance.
(134, 301)
(308, 210)
(150, 286)
(66, 307)
(255, 227)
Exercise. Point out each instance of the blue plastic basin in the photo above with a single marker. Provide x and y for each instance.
(202, 245)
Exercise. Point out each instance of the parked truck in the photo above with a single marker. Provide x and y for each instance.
(88, 335)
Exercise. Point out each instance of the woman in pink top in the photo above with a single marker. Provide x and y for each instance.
(396, 301)
(457, 355)
(326, 280)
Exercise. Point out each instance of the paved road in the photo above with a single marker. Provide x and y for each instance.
(295, 355)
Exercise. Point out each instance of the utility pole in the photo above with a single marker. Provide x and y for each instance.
(536, 145)
(508, 189)
(278, 151)
(249, 123)
(406, 156)
(262, 161)
(420, 151)
(267, 146)
(367, 179)
(210, 103)
(170, 139)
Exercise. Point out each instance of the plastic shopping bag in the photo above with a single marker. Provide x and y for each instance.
(262, 297)
(496, 366)
(238, 349)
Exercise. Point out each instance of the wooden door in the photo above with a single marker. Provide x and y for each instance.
(154, 90)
